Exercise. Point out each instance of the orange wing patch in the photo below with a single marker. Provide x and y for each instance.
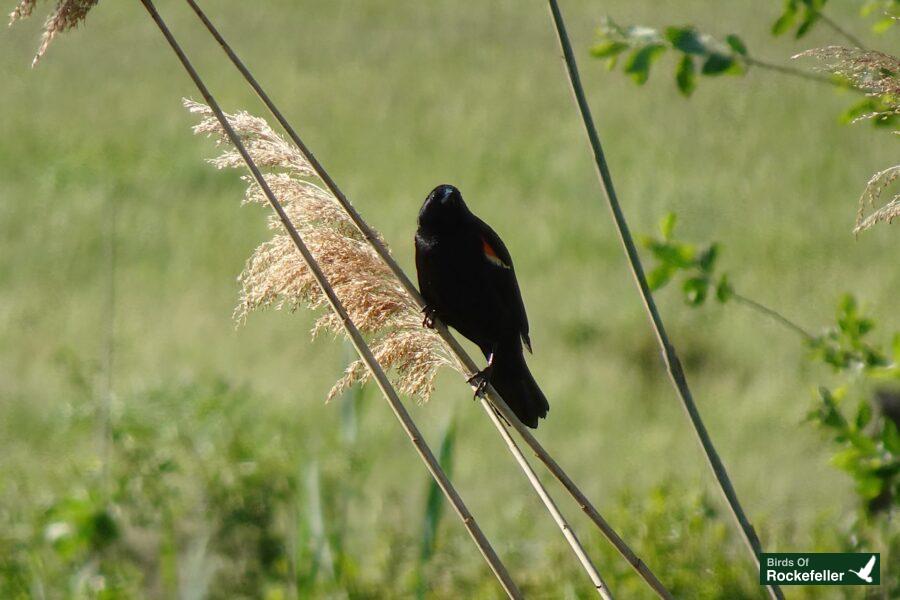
(491, 254)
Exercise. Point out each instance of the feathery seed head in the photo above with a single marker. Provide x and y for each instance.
(875, 73)
(871, 196)
(276, 275)
(878, 75)
(67, 15)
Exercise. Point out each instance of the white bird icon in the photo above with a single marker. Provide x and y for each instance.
(866, 572)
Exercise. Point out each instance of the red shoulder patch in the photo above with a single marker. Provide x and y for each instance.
(491, 254)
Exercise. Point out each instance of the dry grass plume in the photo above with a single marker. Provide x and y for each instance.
(877, 75)
(67, 15)
(276, 276)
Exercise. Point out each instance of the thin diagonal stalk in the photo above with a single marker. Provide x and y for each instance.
(382, 251)
(355, 336)
(774, 315)
(841, 31)
(786, 70)
(670, 356)
(561, 522)
(469, 365)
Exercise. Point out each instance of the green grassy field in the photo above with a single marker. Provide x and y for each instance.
(396, 97)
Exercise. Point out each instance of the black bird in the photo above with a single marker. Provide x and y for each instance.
(467, 279)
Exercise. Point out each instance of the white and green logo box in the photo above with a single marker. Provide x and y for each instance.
(826, 568)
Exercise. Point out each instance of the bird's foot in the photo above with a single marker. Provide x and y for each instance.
(430, 316)
(480, 381)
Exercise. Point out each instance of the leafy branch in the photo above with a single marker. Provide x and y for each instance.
(696, 53)
(875, 75)
(868, 443)
(700, 54)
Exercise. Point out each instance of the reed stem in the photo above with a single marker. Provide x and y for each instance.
(670, 356)
(355, 336)
(469, 365)
(560, 520)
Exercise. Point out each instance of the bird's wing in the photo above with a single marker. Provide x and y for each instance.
(422, 273)
(498, 256)
(868, 568)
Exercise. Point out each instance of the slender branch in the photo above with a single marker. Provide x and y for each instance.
(355, 336)
(670, 357)
(561, 522)
(786, 70)
(468, 364)
(841, 31)
(773, 314)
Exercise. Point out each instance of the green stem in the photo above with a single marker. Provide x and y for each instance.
(670, 357)
(785, 70)
(774, 315)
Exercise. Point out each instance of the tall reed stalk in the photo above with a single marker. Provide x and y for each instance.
(353, 333)
(495, 401)
(670, 356)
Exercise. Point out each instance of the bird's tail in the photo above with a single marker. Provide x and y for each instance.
(512, 379)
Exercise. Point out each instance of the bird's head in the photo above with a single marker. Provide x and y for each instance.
(443, 209)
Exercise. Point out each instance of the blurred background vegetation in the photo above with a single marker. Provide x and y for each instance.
(219, 472)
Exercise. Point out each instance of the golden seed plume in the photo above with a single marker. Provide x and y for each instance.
(871, 196)
(276, 276)
(870, 71)
(67, 15)
(878, 75)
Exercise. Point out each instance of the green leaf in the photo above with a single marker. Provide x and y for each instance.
(784, 22)
(640, 61)
(883, 24)
(667, 225)
(847, 315)
(890, 437)
(659, 277)
(863, 414)
(685, 76)
(608, 49)
(858, 109)
(695, 290)
(736, 44)
(809, 19)
(828, 414)
(717, 64)
(676, 254)
(724, 291)
(846, 460)
(686, 39)
(869, 486)
(707, 260)
(869, 7)
(864, 326)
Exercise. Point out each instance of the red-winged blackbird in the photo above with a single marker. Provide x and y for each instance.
(467, 279)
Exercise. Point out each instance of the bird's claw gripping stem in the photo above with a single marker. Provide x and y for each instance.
(428, 319)
(480, 380)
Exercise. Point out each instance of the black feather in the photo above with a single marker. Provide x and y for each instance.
(467, 277)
